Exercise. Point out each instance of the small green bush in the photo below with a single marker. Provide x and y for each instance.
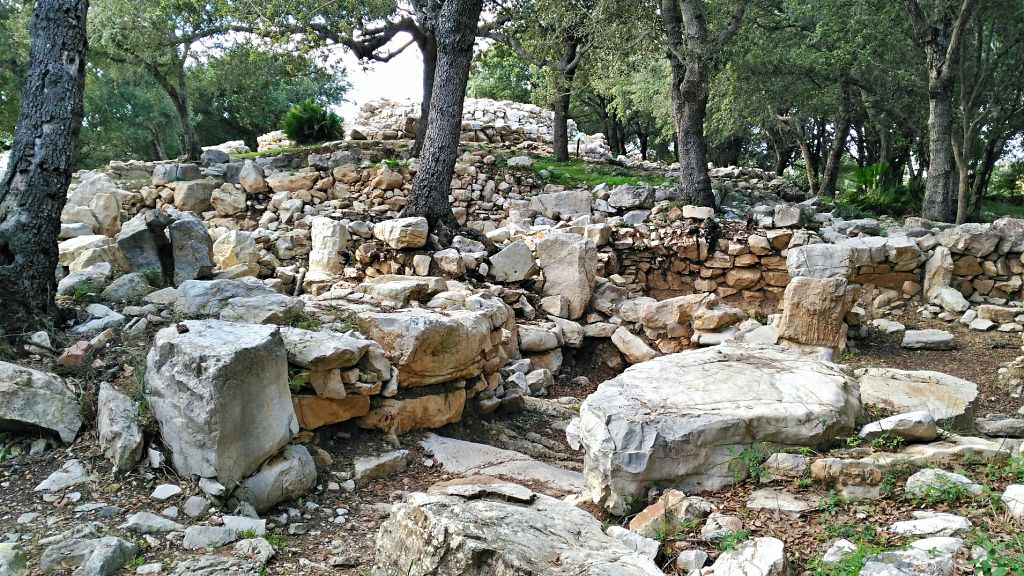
(308, 122)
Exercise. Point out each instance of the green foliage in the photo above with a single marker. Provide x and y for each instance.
(127, 117)
(732, 540)
(14, 17)
(308, 122)
(897, 472)
(135, 562)
(6, 450)
(583, 173)
(86, 291)
(832, 503)
(749, 460)
(274, 539)
(864, 196)
(499, 73)
(244, 91)
(1002, 556)
(849, 565)
(1007, 179)
(247, 534)
(888, 442)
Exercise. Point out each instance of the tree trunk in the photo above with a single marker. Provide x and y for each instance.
(938, 196)
(563, 88)
(838, 147)
(686, 31)
(455, 34)
(429, 51)
(190, 145)
(34, 190)
(808, 156)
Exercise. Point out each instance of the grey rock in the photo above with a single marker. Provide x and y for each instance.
(192, 250)
(928, 339)
(370, 468)
(932, 524)
(569, 264)
(761, 556)
(931, 480)
(210, 296)
(196, 506)
(117, 423)
(820, 261)
(128, 288)
(209, 537)
(149, 523)
(219, 392)
(322, 350)
(500, 522)
(143, 243)
(30, 399)
(98, 275)
(680, 419)
(13, 560)
(95, 557)
(286, 476)
(950, 400)
(514, 263)
(1001, 425)
(911, 426)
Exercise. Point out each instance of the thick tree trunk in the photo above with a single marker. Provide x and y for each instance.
(938, 197)
(455, 34)
(34, 190)
(808, 156)
(686, 31)
(563, 94)
(428, 49)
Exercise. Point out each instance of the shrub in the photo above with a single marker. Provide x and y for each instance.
(308, 122)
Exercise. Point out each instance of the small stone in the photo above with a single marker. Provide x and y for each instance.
(165, 491)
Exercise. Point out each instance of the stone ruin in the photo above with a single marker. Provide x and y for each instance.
(286, 296)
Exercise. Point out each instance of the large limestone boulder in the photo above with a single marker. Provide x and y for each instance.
(679, 420)
(237, 247)
(429, 347)
(191, 248)
(211, 296)
(949, 399)
(288, 475)
(499, 528)
(938, 270)
(30, 399)
(143, 242)
(117, 423)
(513, 263)
(219, 392)
(569, 264)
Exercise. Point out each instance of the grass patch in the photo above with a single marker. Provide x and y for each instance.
(849, 565)
(582, 173)
(732, 540)
(996, 209)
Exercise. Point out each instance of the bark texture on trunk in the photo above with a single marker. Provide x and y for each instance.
(940, 34)
(562, 100)
(690, 55)
(178, 93)
(428, 49)
(34, 190)
(455, 33)
(838, 146)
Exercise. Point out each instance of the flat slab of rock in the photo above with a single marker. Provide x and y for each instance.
(912, 426)
(678, 420)
(777, 500)
(949, 399)
(929, 339)
(30, 399)
(510, 530)
(932, 524)
(470, 458)
(761, 556)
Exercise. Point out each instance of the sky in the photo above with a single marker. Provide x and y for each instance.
(399, 79)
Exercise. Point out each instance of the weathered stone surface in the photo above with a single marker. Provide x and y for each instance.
(911, 426)
(228, 200)
(927, 523)
(127, 288)
(192, 250)
(262, 309)
(569, 264)
(927, 339)
(403, 232)
(557, 204)
(219, 392)
(1001, 425)
(936, 480)
(777, 500)
(329, 241)
(366, 469)
(950, 299)
(30, 399)
(761, 556)
(911, 562)
(813, 310)
(194, 195)
(667, 514)
(938, 271)
(72, 473)
(236, 247)
(513, 263)
(470, 458)
(210, 296)
(291, 181)
(251, 178)
(117, 423)
(322, 350)
(819, 261)
(313, 411)
(632, 346)
(1013, 499)
(428, 347)
(678, 420)
(507, 528)
(92, 557)
(413, 412)
(142, 241)
(13, 560)
(290, 474)
(949, 399)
